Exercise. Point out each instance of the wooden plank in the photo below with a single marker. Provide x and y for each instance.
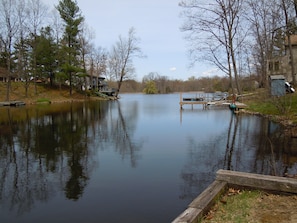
(225, 178)
(209, 194)
(201, 205)
(258, 181)
(190, 215)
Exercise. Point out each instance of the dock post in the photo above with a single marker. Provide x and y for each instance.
(180, 100)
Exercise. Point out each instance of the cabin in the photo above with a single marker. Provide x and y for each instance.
(97, 84)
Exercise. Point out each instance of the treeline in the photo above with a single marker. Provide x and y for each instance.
(237, 36)
(164, 85)
(40, 45)
(240, 37)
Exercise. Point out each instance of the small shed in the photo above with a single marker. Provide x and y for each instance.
(277, 85)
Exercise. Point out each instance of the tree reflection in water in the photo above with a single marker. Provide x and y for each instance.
(49, 157)
(249, 144)
(47, 149)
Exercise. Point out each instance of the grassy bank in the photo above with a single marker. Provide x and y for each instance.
(40, 93)
(281, 109)
(252, 206)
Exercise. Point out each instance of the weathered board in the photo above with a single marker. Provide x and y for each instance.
(225, 178)
(201, 205)
(258, 181)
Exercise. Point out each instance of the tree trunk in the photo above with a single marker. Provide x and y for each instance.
(289, 41)
(70, 83)
(292, 60)
(295, 5)
(8, 73)
(235, 71)
(119, 86)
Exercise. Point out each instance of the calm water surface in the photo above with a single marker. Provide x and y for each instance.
(139, 159)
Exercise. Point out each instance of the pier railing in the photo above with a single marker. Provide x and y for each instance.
(202, 98)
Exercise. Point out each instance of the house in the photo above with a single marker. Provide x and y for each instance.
(98, 84)
(4, 75)
(281, 65)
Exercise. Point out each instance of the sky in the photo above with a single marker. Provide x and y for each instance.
(157, 24)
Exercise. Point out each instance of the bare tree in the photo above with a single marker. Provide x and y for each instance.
(295, 7)
(97, 63)
(21, 45)
(85, 37)
(56, 25)
(215, 33)
(265, 19)
(152, 76)
(121, 58)
(9, 27)
(36, 12)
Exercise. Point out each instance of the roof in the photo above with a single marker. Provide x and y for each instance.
(277, 77)
(93, 76)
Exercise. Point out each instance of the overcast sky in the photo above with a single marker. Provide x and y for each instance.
(157, 23)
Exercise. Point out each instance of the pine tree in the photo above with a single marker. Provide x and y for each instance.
(70, 13)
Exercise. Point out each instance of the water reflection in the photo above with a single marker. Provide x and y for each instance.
(136, 157)
(47, 149)
(248, 144)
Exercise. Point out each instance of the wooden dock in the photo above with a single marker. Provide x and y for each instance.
(226, 178)
(201, 99)
(192, 103)
(12, 103)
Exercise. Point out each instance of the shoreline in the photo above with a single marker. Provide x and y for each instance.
(290, 128)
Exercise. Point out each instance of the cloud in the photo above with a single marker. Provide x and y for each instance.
(173, 69)
(213, 71)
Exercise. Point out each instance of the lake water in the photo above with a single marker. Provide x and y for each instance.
(139, 159)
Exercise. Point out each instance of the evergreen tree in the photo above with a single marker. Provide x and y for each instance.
(46, 51)
(70, 14)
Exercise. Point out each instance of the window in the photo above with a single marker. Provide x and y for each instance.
(276, 66)
(270, 66)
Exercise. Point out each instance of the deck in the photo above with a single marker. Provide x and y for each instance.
(201, 99)
(198, 99)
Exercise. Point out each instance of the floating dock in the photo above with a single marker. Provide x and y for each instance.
(12, 103)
